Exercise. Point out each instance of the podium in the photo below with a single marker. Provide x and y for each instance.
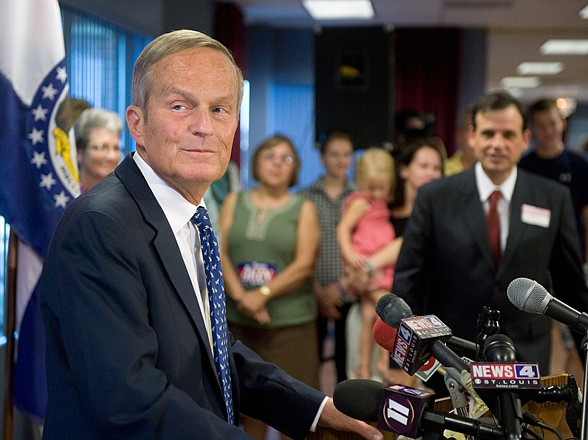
(552, 414)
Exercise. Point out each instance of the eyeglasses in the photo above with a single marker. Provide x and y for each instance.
(104, 148)
(270, 157)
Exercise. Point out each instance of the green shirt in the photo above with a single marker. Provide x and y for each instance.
(261, 245)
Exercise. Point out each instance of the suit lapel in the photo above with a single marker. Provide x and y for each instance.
(165, 244)
(516, 228)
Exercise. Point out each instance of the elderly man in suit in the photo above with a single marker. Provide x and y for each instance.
(125, 298)
(448, 264)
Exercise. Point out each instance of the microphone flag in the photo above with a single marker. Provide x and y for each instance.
(402, 408)
(410, 350)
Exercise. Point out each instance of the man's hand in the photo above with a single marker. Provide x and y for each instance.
(332, 418)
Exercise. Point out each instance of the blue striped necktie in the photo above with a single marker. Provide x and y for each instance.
(216, 297)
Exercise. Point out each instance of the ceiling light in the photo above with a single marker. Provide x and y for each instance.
(533, 68)
(584, 12)
(523, 82)
(339, 9)
(515, 92)
(565, 47)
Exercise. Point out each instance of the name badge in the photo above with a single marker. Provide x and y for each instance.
(256, 273)
(534, 215)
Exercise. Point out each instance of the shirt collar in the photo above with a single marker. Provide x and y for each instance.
(319, 185)
(176, 208)
(486, 186)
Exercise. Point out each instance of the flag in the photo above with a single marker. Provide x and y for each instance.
(38, 171)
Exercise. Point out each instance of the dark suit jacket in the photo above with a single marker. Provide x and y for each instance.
(445, 264)
(127, 352)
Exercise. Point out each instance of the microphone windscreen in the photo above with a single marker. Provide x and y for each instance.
(384, 301)
(527, 295)
(392, 309)
(499, 348)
(384, 335)
(359, 398)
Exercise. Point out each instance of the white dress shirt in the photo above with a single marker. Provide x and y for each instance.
(487, 187)
(179, 212)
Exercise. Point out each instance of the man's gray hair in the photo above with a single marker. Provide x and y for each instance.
(168, 44)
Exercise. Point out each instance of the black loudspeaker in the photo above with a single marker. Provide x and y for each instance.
(354, 84)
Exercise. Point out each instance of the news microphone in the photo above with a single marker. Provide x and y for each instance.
(530, 296)
(391, 309)
(500, 349)
(403, 410)
(418, 337)
(385, 336)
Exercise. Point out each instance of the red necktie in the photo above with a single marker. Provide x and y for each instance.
(493, 222)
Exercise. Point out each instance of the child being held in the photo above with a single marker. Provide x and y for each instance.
(365, 228)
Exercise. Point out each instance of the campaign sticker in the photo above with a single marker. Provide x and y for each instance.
(256, 273)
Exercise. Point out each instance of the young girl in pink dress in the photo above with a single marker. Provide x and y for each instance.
(365, 228)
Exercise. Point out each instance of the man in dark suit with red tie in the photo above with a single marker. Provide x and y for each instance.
(447, 265)
(132, 350)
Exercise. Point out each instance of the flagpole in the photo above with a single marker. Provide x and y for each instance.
(10, 328)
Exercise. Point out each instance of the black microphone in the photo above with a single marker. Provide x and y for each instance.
(530, 296)
(555, 394)
(403, 410)
(385, 336)
(418, 337)
(500, 349)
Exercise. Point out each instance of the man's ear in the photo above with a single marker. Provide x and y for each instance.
(471, 135)
(527, 138)
(136, 122)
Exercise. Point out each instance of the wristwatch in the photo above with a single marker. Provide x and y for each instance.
(265, 291)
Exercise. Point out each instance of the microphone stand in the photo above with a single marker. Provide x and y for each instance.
(583, 433)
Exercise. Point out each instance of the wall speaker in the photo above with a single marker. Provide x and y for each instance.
(354, 83)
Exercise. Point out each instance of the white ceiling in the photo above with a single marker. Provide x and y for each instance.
(516, 30)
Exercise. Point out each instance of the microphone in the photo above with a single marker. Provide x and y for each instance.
(391, 309)
(500, 349)
(385, 336)
(419, 337)
(530, 296)
(555, 394)
(403, 410)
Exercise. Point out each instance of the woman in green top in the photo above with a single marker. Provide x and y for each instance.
(269, 246)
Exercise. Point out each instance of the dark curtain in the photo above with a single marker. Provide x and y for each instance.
(427, 75)
(229, 29)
